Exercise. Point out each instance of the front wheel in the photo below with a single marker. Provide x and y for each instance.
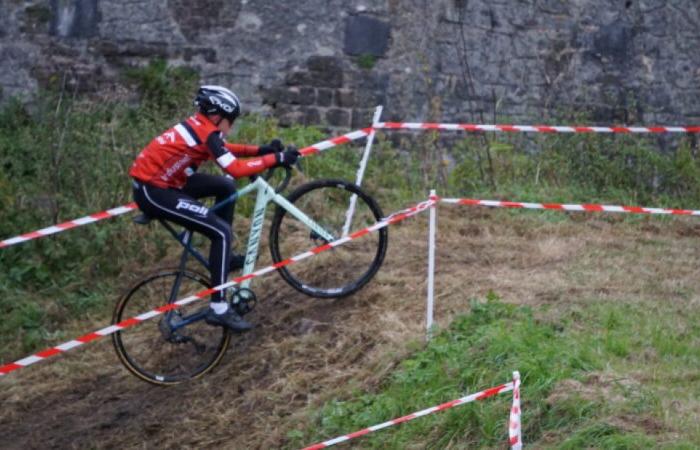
(338, 271)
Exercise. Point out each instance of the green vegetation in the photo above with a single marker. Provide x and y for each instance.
(67, 156)
(64, 157)
(580, 369)
(366, 61)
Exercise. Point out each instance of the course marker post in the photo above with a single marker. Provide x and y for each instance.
(361, 170)
(431, 266)
(515, 432)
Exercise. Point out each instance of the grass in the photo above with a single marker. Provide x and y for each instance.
(583, 375)
(601, 327)
(598, 312)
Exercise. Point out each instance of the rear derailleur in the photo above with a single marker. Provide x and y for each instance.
(166, 325)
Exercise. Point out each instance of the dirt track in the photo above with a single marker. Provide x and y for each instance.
(307, 351)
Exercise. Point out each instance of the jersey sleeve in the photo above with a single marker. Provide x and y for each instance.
(242, 149)
(235, 167)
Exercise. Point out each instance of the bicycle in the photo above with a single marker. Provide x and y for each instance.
(181, 346)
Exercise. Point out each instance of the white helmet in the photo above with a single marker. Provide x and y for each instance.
(218, 100)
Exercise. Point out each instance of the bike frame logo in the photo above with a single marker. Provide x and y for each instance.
(200, 210)
(256, 226)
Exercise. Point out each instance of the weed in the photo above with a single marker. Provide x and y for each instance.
(366, 61)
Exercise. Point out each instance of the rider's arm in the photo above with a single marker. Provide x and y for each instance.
(237, 168)
(275, 146)
(242, 149)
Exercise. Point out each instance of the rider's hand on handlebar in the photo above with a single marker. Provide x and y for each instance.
(288, 157)
(275, 146)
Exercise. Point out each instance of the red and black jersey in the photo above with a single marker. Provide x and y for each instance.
(169, 158)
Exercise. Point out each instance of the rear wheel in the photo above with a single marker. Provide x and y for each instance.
(157, 350)
(338, 271)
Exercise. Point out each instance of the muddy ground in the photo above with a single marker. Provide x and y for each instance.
(307, 351)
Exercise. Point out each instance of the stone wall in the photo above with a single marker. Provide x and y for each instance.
(330, 62)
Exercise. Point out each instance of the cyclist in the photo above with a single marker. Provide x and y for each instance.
(167, 186)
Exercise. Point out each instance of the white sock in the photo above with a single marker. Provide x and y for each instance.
(219, 307)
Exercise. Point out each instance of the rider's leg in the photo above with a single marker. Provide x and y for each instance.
(178, 207)
(200, 185)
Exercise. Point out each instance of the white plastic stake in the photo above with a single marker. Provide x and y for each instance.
(515, 426)
(431, 266)
(361, 170)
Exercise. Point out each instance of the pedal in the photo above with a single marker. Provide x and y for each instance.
(243, 301)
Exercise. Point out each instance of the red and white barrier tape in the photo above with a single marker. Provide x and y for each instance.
(460, 401)
(340, 140)
(24, 362)
(532, 128)
(515, 432)
(564, 207)
(68, 225)
(313, 149)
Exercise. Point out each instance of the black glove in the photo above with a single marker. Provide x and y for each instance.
(275, 146)
(288, 157)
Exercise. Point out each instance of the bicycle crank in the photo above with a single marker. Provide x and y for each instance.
(243, 301)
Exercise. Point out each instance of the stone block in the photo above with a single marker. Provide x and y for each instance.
(282, 95)
(371, 89)
(337, 117)
(288, 115)
(366, 36)
(307, 95)
(326, 79)
(345, 98)
(129, 49)
(195, 18)
(325, 71)
(324, 63)
(291, 95)
(311, 116)
(297, 78)
(324, 97)
(361, 118)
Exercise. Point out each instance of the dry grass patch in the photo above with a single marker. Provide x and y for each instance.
(307, 352)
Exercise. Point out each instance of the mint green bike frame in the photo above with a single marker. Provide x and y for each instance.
(266, 194)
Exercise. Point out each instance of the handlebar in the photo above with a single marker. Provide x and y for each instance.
(267, 175)
(285, 182)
